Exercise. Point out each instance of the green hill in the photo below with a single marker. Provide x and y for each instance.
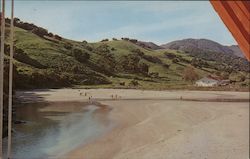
(45, 60)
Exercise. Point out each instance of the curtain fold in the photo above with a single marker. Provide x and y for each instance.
(236, 16)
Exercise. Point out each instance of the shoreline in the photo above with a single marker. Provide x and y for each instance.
(148, 122)
(50, 95)
(191, 88)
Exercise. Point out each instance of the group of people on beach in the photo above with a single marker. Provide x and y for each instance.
(115, 96)
(90, 97)
(85, 94)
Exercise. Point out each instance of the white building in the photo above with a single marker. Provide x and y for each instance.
(207, 82)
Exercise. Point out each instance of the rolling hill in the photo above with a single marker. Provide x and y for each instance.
(202, 44)
(46, 60)
(212, 51)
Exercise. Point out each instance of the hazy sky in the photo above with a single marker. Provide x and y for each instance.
(159, 22)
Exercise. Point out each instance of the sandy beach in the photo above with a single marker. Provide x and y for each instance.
(162, 124)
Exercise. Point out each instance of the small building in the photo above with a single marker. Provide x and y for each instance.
(207, 82)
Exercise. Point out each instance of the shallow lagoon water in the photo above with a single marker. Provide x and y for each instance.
(53, 129)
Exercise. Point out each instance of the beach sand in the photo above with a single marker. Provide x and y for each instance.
(158, 125)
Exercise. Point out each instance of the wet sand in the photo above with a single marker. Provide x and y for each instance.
(53, 129)
(158, 125)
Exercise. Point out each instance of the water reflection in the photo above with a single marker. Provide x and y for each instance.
(53, 129)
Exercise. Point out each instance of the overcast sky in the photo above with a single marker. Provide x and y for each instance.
(159, 22)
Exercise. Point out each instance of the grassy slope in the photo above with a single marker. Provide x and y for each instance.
(54, 56)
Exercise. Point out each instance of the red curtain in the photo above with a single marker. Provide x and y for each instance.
(236, 16)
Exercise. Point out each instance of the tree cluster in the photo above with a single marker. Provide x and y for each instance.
(80, 55)
(189, 74)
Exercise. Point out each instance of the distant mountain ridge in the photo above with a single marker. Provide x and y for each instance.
(193, 45)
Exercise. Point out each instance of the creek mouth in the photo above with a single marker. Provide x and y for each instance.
(50, 130)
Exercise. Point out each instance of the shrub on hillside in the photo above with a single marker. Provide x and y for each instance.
(130, 63)
(122, 83)
(199, 63)
(88, 47)
(224, 75)
(80, 55)
(104, 66)
(175, 57)
(50, 34)
(84, 42)
(40, 31)
(68, 46)
(126, 39)
(170, 55)
(175, 60)
(152, 59)
(102, 49)
(181, 59)
(228, 69)
(166, 66)
(104, 40)
(143, 68)
(154, 74)
(77, 69)
(106, 62)
(26, 26)
(134, 83)
(133, 40)
(138, 52)
(57, 37)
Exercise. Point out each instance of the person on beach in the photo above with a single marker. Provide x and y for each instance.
(90, 99)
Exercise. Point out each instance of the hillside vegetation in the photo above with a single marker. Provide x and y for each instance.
(45, 60)
(212, 51)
